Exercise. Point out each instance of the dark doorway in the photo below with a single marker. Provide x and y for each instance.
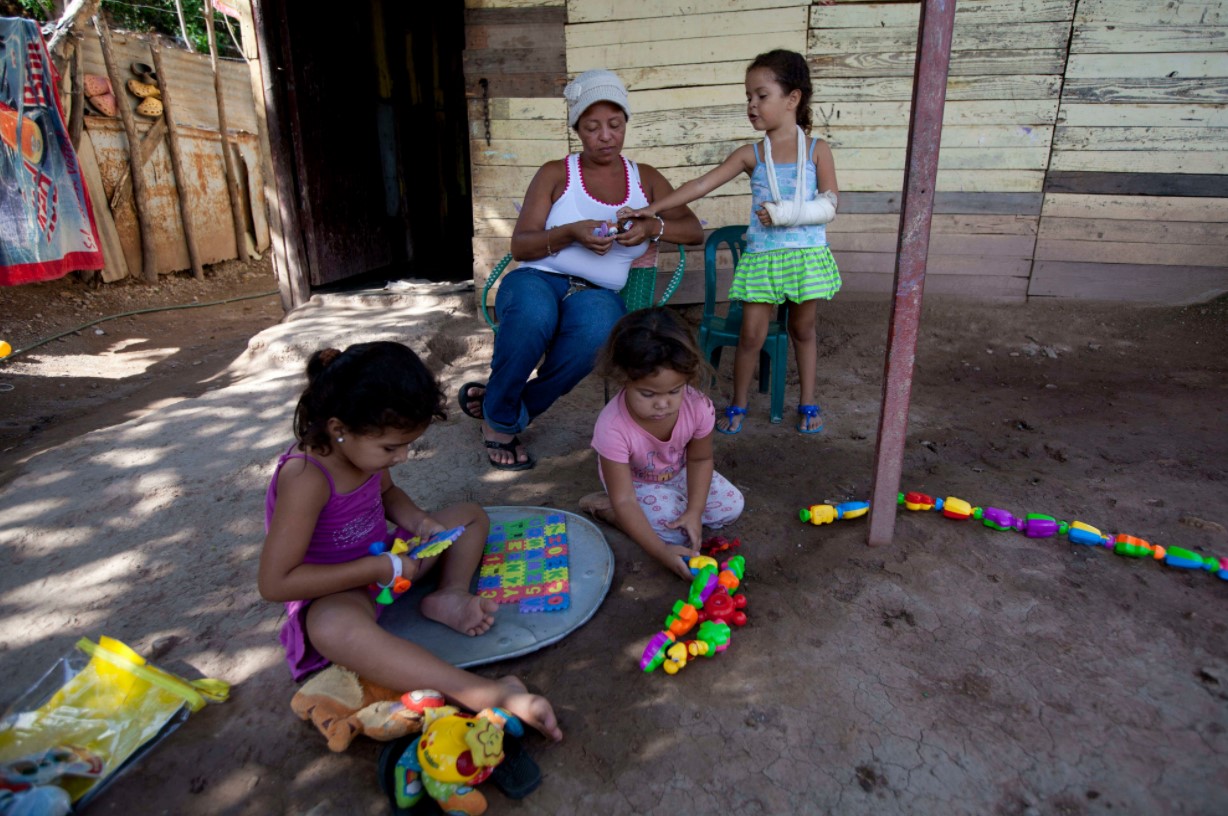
(372, 106)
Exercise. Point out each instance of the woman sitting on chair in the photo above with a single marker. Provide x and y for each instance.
(562, 301)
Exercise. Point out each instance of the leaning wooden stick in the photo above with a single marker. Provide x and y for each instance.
(149, 269)
(76, 110)
(232, 179)
(149, 143)
(181, 178)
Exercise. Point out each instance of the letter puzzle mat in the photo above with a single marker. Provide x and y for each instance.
(525, 563)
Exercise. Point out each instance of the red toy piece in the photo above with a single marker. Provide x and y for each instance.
(724, 608)
(718, 544)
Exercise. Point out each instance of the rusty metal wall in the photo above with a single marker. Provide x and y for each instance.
(191, 82)
(202, 161)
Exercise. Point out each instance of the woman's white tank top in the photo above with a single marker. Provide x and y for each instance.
(575, 204)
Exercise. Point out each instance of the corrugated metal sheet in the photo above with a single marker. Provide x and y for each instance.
(190, 79)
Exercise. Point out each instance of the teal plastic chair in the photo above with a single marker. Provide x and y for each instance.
(637, 293)
(716, 332)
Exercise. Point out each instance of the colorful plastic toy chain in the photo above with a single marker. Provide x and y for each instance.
(1032, 525)
(415, 548)
(711, 604)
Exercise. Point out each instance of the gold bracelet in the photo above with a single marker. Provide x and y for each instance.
(548, 252)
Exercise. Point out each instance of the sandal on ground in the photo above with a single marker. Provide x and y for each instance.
(510, 447)
(808, 414)
(731, 413)
(464, 398)
(517, 775)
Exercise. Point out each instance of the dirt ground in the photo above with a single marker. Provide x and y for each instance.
(957, 670)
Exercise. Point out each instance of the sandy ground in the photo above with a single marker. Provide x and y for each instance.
(958, 670)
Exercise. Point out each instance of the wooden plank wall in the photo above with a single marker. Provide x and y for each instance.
(1002, 99)
(517, 47)
(1135, 205)
(1083, 144)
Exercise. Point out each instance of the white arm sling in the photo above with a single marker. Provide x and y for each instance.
(821, 210)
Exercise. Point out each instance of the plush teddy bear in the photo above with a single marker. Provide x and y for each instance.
(343, 705)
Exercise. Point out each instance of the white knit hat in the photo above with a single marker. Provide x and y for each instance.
(591, 87)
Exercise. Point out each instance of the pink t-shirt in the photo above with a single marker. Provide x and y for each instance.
(619, 438)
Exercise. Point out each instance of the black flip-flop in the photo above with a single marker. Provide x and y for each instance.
(464, 399)
(510, 447)
(518, 774)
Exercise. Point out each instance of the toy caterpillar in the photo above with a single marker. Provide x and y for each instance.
(1032, 525)
(710, 603)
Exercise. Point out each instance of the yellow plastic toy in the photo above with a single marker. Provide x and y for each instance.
(109, 709)
(455, 753)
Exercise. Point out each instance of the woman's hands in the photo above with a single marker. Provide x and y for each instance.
(595, 236)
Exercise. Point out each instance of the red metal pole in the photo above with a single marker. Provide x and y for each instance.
(929, 95)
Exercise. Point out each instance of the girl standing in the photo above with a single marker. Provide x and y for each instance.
(787, 258)
(654, 440)
(331, 497)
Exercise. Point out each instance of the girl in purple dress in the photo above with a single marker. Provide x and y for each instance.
(332, 496)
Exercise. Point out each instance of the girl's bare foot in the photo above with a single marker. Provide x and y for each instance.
(467, 614)
(598, 506)
(532, 709)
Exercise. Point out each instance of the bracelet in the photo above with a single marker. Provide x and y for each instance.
(548, 252)
(662, 231)
(396, 569)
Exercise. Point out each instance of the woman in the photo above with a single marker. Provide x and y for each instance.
(562, 301)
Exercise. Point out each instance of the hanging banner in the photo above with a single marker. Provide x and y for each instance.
(46, 223)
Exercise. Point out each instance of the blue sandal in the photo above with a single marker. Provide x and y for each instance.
(808, 413)
(732, 412)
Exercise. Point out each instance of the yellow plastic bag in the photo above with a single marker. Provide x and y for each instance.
(114, 706)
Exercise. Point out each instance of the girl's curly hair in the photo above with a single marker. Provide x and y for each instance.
(369, 387)
(644, 341)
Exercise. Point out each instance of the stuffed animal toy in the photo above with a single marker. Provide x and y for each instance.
(342, 705)
(455, 753)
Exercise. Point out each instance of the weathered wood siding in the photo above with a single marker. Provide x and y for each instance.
(1136, 199)
(1062, 117)
(517, 117)
(1002, 101)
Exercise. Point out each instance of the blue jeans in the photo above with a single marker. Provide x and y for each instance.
(538, 318)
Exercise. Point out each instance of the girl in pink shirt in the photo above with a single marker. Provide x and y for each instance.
(654, 440)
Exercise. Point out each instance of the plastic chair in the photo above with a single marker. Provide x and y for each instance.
(716, 332)
(637, 293)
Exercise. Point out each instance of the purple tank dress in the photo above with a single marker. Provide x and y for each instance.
(348, 525)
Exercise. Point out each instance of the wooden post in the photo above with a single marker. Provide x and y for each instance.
(232, 179)
(71, 23)
(181, 178)
(929, 93)
(140, 194)
(76, 111)
(285, 228)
